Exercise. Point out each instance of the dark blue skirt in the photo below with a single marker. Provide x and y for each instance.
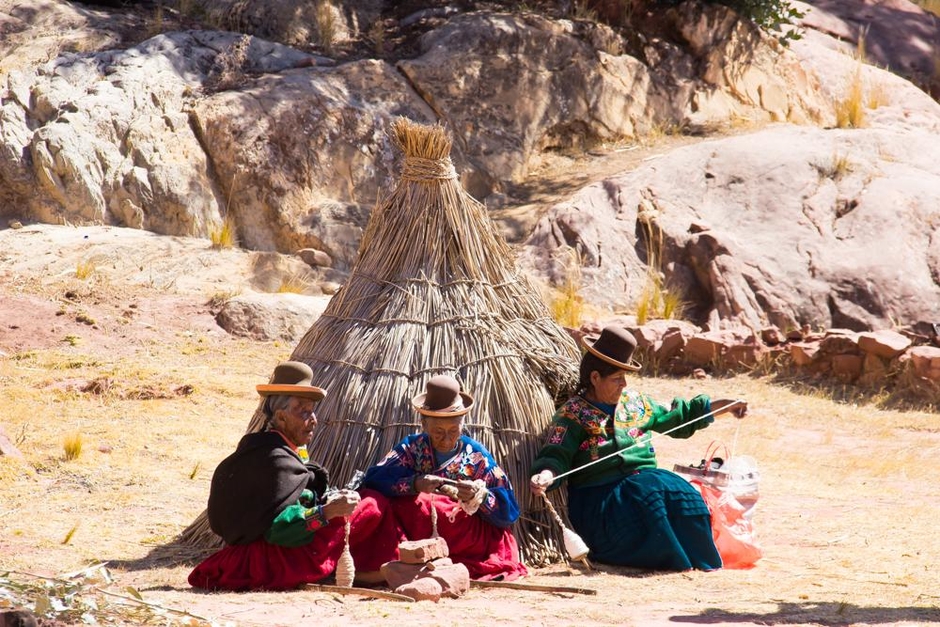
(653, 519)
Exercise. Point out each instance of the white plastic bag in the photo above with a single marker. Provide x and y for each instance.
(737, 475)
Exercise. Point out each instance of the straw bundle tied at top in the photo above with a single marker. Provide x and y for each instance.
(435, 290)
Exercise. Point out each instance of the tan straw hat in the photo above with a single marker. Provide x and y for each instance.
(442, 398)
(292, 378)
(615, 345)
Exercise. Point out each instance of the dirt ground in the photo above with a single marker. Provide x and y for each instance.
(130, 360)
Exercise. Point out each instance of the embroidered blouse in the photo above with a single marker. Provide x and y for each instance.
(581, 433)
(414, 456)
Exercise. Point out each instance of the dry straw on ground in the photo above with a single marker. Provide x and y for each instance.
(435, 290)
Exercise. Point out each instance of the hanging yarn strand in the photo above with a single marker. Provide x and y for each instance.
(345, 568)
(574, 545)
(433, 517)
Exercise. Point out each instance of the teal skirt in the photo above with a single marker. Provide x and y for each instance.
(652, 519)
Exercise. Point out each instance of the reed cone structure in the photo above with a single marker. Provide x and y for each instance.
(435, 290)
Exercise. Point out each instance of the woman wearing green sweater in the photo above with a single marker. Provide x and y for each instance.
(627, 510)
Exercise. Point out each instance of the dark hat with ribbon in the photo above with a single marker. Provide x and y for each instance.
(442, 398)
(615, 345)
(293, 378)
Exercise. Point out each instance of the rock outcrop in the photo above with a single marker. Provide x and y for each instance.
(192, 131)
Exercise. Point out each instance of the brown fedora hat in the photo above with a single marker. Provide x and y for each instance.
(615, 345)
(292, 378)
(442, 398)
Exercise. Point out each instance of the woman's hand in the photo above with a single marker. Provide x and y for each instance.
(340, 504)
(738, 407)
(539, 483)
(427, 483)
(467, 490)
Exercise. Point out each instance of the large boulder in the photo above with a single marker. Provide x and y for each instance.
(515, 86)
(106, 137)
(790, 225)
(302, 155)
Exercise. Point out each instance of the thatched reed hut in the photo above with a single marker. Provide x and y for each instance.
(435, 290)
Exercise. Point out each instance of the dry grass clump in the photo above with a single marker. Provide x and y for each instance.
(224, 235)
(850, 110)
(72, 446)
(656, 300)
(567, 306)
(326, 25)
(839, 166)
(297, 283)
(85, 269)
(230, 67)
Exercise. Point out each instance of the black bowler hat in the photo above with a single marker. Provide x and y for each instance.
(615, 345)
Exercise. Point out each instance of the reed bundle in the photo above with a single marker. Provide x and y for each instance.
(435, 290)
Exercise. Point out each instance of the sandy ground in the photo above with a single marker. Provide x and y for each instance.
(846, 516)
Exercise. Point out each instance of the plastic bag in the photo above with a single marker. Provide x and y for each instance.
(743, 482)
(732, 531)
(738, 475)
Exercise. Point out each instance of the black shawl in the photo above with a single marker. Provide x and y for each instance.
(252, 485)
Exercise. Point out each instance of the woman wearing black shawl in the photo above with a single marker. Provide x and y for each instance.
(269, 503)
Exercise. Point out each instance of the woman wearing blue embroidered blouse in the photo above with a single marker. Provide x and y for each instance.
(627, 510)
(442, 468)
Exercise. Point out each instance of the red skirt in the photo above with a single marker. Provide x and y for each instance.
(374, 536)
(488, 552)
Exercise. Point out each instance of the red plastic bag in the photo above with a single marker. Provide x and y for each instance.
(732, 531)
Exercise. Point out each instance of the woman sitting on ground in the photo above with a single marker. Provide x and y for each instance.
(443, 469)
(628, 511)
(281, 524)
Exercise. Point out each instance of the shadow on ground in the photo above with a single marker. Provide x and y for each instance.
(826, 613)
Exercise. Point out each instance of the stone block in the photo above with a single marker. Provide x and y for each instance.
(424, 589)
(315, 258)
(846, 368)
(421, 551)
(454, 579)
(397, 572)
(672, 345)
(803, 353)
(771, 336)
(884, 343)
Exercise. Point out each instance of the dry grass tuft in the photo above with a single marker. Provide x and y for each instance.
(72, 446)
(567, 306)
(69, 535)
(224, 235)
(850, 111)
(327, 28)
(85, 269)
(299, 283)
(220, 298)
(839, 166)
(656, 300)
(229, 68)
